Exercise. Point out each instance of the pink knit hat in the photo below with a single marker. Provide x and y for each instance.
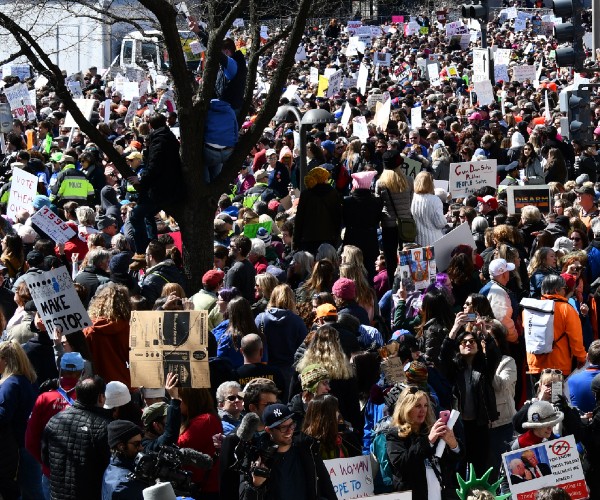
(363, 180)
(345, 289)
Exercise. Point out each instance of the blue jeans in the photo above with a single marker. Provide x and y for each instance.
(213, 161)
(29, 476)
(46, 487)
(142, 221)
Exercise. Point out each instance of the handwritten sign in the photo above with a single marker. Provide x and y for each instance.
(57, 301)
(52, 225)
(23, 188)
(20, 101)
(522, 196)
(556, 462)
(469, 176)
(352, 27)
(335, 83)
(351, 477)
(524, 72)
(21, 70)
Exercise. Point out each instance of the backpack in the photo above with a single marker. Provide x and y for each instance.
(383, 478)
(538, 325)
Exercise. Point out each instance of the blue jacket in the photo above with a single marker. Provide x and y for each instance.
(17, 396)
(580, 388)
(284, 331)
(221, 124)
(117, 486)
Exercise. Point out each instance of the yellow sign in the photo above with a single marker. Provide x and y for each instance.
(323, 84)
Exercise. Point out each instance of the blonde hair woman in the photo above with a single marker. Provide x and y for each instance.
(265, 283)
(283, 330)
(427, 211)
(365, 295)
(396, 191)
(412, 441)
(17, 396)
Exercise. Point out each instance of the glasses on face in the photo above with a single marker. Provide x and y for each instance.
(235, 397)
(285, 428)
(468, 304)
(380, 146)
(554, 371)
(577, 269)
(467, 341)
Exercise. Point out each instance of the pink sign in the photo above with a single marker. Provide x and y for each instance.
(397, 19)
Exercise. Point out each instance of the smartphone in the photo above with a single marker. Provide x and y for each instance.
(471, 317)
(557, 390)
(445, 416)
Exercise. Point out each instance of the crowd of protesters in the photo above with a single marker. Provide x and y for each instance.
(306, 309)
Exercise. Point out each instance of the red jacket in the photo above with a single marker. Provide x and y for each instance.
(199, 437)
(46, 406)
(109, 344)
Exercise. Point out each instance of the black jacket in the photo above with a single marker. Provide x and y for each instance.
(430, 342)
(162, 179)
(407, 456)
(95, 174)
(158, 276)
(317, 477)
(171, 434)
(40, 351)
(319, 216)
(232, 91)
(91, 278)
(75, 447)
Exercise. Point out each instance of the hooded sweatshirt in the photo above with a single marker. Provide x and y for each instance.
(109, 345)
(284, 331)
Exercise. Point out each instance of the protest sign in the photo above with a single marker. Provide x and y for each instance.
(417, 267)
(238, 22)
(57, 301)
(485, 92)
(553, 463)
(481, 65)
(346, 115)
(411, 167)
(351, 477)
(397, 19)
(382, 115)
(520, 24)
(352, 27)
(131, 110)
(314, 76)
(460, 235)
(359, 128)
(21, 70)
(335, 83)
(52, 225)
(434, 74)
(163, 342)
(468, 176)
(75, 89)
(130, 90)
(522, 196)
(23, 188)
(323, 83)
(86, 106)
(501, 73)
(20, 101)
(349, 82)
(382, 58)
(300, 54)
(523, 72)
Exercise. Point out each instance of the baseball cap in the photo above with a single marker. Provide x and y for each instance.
(213, 277)
(154, 412)
(274, 415)
(326, 310)
(500, 266)
(72, 362)
(586, 190)
(490, 200)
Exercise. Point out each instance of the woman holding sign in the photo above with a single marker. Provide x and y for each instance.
(411, 446)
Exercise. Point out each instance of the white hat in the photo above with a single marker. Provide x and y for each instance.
(542, 414)
(116, 394)
(563, 243)
(160, 491)
(153, 393)
(270, 152)
(500, 266)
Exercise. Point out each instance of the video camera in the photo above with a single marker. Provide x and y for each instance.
(249, 449)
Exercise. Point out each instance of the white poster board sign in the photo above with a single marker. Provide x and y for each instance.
(57, 301)
(52, 225)
(23, 188)
(524, 72)
(557, 463)
(20, 102)
(363, 76)
(485, 92)
(75, 89)
(416, 117)
(443, 247)
(314, 76)
(21, 70)
(335, 83)
(86, 106)
(351, 477)
(359, 128)
(468, 176)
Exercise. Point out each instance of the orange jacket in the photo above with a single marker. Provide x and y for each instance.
(566, 320)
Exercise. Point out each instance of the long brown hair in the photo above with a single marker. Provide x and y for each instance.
(197, 401)
(320, 421)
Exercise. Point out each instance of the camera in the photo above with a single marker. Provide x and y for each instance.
(248, 452)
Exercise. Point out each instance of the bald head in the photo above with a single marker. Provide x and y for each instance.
(251, 346)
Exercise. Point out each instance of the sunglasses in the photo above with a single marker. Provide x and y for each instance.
(554, 371)
(467, 304)
(575, 238)
(468, 341)
(234, 398)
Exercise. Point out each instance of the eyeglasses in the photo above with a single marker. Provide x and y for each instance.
(468, 341)
(233, 398)
(554, 371)
(285, 428)
(468, 304)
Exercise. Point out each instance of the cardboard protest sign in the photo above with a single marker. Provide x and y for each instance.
(161, 342)
(468, 176)
(52, 225)
(417, 267)
(57, 301)
(553, 463)
(351, 477)
(20, 101)
(86, 106)
(23, 188)
(460, 235)
(522, 196)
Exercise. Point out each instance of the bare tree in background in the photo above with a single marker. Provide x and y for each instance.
(195, 213)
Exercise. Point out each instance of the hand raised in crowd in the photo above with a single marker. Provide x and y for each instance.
(437, 431)
(193, 24)
(171, 385)
(173, 303)
(460, 320)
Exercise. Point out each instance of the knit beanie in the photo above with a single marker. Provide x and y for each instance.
(416, 374)
(345, 289)
(121, 431)
(311, 376)
(264, 235)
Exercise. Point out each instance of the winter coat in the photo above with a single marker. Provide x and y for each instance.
(17, 397)
(75, 447)
(40, 351)
(115, 483)
(95, 175)
(504, 383)
(395, 203)
(501, 304)
(407, 458)
(161, 178)
(284, 332)
(568, 340)
(157, 277)
(108, 342)
(430, 343)
(241, 275)
(317, 477)
(483, 371)
(535, 281)
(222, 128)
(230, 85)
(319, 216)
(91, 278)
(428, 212)
(585, 164)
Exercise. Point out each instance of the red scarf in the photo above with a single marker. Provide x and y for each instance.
(528, 439)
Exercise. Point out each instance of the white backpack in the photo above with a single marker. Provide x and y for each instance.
(538, 323)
